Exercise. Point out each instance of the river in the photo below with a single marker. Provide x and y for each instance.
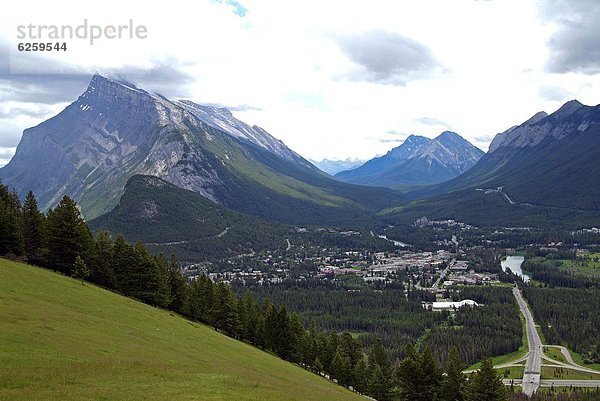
(396, 243)
(514, 264)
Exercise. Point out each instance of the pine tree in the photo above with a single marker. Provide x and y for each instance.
(269, 326)
(242, 312)
(11, 233)
(380, 386)
(431, 375)
(308, 347)
(194, 296)
(206, 299)
(380, 374)
(351, 348)
(328, 351)
(101, 268)
(80, 269)
(225, 316)
(378, 356)
(262, 333)
(123, 259)
(283, 342)
(360, 375)
(486, 385)
(318, 366)
(68, 235)
(296, 335)
(453, 383)
(163, 286)
(33, 222)
(144, 275)
(178, 287)
(409, 377)
(340, 368)
(249, 325)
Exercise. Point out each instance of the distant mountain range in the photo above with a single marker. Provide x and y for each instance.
(416, 162)
(208, 166)
(332, 167)
(115, 130)
(546, 167)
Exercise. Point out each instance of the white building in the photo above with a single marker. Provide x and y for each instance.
(438, 306)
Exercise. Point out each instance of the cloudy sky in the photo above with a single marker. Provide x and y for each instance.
(332, 79)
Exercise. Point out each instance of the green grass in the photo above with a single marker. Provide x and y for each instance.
(514, 372)
(549, 372)
(588, 265)
(579, 360)
(554, 353)
(540, 333)
(513, 356)
(62, 340)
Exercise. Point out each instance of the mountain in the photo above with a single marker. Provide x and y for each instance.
(115, 130)
(222, 119)
(171, 219)
(99, 345)
(332, 167)
(418, 161)
(549, 162)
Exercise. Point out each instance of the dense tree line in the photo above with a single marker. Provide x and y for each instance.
(564, 394)
(325, 239)
(483, 331)
(398, 320)
(485, 260)
(418, 377)
(369, 313)
(11, 227)
(569, 317)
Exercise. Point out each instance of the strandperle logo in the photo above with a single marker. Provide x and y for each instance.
(87, 31)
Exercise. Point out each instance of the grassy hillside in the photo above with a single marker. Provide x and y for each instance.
(61, 340)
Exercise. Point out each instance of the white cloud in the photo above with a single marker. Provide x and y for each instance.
(283, 65)
(6, 154)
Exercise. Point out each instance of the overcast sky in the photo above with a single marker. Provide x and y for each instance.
(331, 79)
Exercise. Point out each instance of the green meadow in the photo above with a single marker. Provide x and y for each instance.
(64, 340)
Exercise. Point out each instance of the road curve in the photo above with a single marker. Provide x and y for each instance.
(569, 366)
(571, 363)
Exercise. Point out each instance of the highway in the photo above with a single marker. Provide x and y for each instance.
(558, 383)
(569, 383)
(533, 364)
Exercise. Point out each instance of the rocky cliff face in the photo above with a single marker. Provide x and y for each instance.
(110, 132)
(222, 119)
(571, 117)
